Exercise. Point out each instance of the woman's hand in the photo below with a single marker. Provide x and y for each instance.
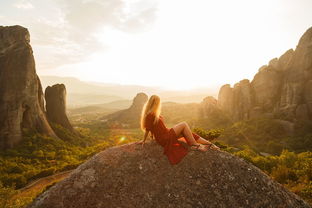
(141, 143)
(145, 136)
(151, 137)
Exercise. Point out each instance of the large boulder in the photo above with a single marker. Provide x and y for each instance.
(21, 96)
(55, 97)
(132, 176)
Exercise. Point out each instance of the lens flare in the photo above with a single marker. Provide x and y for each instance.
(123, 138)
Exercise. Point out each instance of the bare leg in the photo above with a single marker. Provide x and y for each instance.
(184, 129)
(203, 141)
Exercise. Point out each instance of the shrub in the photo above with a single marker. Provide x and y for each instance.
(208, 134)
(307, 191)
(6, 193)
(247, 154)
(282, 174)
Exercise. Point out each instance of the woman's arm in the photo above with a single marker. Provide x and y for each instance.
(145, 136)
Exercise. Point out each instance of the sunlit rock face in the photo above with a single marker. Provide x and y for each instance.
(129, 117)
(55, 97)
(208, 106)
(280, 89)
(132, 176)
(296, 88)
(236, 101)
(225, 98)
(21, 96)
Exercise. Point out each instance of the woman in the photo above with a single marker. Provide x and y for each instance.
(174, 139)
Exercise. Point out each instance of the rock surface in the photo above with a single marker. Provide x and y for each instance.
(55, 97)
(132, 176)
(21, 96)
(281, 88)
(128, 117)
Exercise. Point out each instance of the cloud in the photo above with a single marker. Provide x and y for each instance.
(67, 31)
(23, 4)
(75, 37)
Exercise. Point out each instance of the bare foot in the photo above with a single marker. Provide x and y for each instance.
(199, 147)
(212, 146)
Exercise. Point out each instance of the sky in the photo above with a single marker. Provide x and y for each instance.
(173, 44)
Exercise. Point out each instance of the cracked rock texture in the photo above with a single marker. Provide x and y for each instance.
(132, 176)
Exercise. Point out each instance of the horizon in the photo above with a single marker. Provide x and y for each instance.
(161, 88)
(154, 43)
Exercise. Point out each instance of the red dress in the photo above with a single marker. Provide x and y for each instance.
(167, 138)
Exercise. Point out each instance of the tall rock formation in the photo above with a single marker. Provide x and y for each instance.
(225, 98)
(237, 101)
(208, 106)
(21, 96)
(138, 101)
(55, 97)
(210, 114)
(129, 117)
(132, 176)
(281, 89)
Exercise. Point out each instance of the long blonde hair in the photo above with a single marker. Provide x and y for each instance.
(153, 105)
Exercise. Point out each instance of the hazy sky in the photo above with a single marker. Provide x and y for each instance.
(178, 44)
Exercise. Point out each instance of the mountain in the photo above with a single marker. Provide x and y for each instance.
(82, 93)
(99, 108)
(132, 176)
(180, 96)
(173, 113)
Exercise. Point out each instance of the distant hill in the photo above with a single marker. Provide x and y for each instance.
(129, 117)
(83, 100)
(106, 107)
(80, 93)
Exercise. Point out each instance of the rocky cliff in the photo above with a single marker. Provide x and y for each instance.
(281, 89)
(129, 117)
(21, 96)
(55, 97)
(132, 176)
